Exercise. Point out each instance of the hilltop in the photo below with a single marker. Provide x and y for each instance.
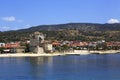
(75, 26)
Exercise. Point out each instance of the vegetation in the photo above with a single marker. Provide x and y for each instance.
(1, 49)
(71, 31)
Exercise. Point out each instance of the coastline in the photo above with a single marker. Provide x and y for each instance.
(97, 52)
(28, 55)
(76, 52)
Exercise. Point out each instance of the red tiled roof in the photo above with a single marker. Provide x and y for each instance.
(79, 44)
(12, 45)
(113, 43)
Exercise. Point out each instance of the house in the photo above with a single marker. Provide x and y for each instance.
(56, 43)
(79, 45)
(2, 44)
(48, 47)
(14, 47)
(113, 45)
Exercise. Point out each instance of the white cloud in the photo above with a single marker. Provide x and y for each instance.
(4, 28)
(112, 21)
(19, 21)
(27, 26)
(11, 18)
(22, 27)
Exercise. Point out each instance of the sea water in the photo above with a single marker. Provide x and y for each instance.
(71, 67)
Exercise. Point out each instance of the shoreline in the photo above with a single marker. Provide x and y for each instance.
(27, 55)
(76, 52)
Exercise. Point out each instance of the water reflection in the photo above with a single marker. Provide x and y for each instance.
(12, 60)
(41, 60)
(41, 66)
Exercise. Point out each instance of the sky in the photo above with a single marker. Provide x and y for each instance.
(20, 14)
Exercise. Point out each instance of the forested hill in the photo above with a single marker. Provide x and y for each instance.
(75, 26)
(70, 31)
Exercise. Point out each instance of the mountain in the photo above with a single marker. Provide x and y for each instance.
(77, 26)
(69, 31)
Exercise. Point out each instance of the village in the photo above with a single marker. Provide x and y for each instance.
(38, 45)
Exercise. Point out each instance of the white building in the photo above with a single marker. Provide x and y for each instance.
(2, 44)
(48, 47)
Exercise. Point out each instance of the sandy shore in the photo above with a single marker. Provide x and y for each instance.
(79, 52)
(27, 55)
(99, 52)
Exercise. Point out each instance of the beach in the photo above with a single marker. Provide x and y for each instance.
(78, 52)
(28, 55)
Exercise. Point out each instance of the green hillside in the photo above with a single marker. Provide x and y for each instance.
(70, 31)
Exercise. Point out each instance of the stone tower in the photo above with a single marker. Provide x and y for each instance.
(36, 42)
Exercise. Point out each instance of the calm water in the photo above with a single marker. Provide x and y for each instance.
(73, 67)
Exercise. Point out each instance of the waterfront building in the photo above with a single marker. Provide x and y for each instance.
(56, 43)
(48, 47)
(2, 44)
(113, 45)
(14, 47)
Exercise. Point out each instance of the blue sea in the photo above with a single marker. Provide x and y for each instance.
(70, 67)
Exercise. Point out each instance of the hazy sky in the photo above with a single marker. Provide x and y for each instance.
(18, 14)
